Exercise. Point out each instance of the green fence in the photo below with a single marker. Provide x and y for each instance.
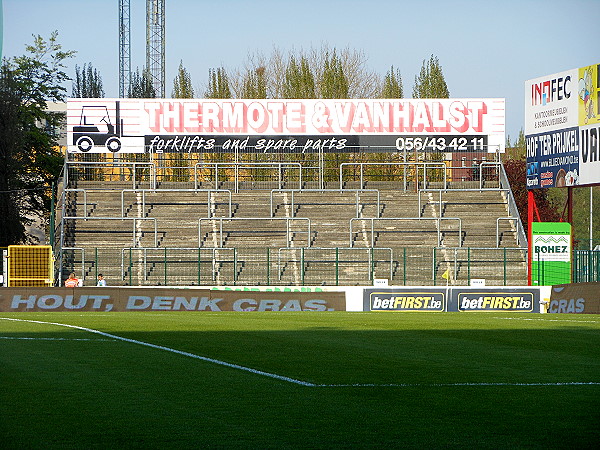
(296, 266)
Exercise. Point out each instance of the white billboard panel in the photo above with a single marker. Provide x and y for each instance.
(562, 119)
(176, 125)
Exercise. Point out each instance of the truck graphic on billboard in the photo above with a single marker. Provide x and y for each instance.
(97, 129)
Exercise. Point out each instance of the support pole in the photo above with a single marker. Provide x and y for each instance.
(530, 207)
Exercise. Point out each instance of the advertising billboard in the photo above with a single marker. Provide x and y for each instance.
(273, 125)
(551, 253)
(453, 299)
(562, 124)
(107, 299)
(403, 299)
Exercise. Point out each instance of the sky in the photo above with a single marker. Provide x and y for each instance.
(486, 48)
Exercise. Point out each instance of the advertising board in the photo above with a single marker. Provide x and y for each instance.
(551, 253)
(402, 299)
(453, 299)
(149, 299)
(576, 298)
(269, 126)
(496, 300)
(562, 126)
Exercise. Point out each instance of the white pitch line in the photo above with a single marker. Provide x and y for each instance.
(53, 339)
(568, 383)
(292, 380)
(172, 350)
(549, 320)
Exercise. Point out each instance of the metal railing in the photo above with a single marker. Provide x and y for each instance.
(440, 202)
(510, 219)
(143, 262)
(437, 220)
(209, 200)
(304, 260)
(288, 232)
(134, 170)
(513, 210)
(464, 265)
(135, 239)
(416, 167)
(85, 203)
(341, 191)
(279, 167)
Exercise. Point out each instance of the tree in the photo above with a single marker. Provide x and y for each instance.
(141, 85)
(430, 82)
(218, 84)
(29, 160)
(392, 85)
(87, 83)
(516, 175)
(182, 85)
(299, 80)
(518, 149)
(334, 83)
(255, 85)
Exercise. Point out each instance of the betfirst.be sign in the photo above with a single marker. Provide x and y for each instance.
(562, 127)
(190, 126)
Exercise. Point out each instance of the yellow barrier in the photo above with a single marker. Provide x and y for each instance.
(30, 265)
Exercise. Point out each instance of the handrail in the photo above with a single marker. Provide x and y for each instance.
(368, 249)
(455, 250)
(516, 219)
(132, 164)
(155, 191)
(356, 191)
(437, 219)
(82, 260)
(134, 219)
(490, 164)
(418, 165)
(439, 191)
(84, 199)
(221, 219)
(513, 209)
(237, 166)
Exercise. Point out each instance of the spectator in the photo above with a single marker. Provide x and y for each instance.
(72, 281)
(101, 280)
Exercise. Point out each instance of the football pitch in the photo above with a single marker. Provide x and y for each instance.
(299, 380)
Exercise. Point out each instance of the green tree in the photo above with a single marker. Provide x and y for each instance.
(392, 85)
(141, 85)
(430, 82)
(87, 83)
(517, 149)
(299, 80)
(255, 84)
(182, 85)
(334, 83)
(218, 84)
(29, 159)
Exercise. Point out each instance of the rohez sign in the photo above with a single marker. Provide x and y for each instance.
(196, 126)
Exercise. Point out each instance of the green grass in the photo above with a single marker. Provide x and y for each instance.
(106, 393)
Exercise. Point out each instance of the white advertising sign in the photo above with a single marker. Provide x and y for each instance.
(562, 124)
(175, 125)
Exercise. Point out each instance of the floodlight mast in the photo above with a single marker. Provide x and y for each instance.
(124, 48)
(155, 44)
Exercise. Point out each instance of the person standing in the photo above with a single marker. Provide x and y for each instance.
(72, 281)
(101, 280)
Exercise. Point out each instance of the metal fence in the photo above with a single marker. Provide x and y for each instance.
(285, 266)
